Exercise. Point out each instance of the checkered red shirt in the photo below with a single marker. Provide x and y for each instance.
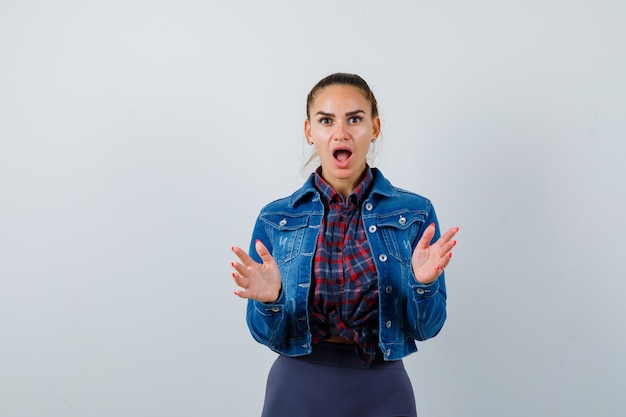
(344, 294)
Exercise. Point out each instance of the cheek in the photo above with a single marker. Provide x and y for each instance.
(320, 149)
(320, 135)
(365, 136)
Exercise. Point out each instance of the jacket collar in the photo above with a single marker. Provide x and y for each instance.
(381, 186)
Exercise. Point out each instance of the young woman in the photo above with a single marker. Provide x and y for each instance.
(345, 274)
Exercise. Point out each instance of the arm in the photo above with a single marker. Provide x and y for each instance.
(430, 257)
(259, 277)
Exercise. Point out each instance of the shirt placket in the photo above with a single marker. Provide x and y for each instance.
(336, 253)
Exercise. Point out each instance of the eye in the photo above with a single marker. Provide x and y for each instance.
(355, 119)
(325, 120)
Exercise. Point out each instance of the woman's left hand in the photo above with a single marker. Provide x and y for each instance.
(428, 260)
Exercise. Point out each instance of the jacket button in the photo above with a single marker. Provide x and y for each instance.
(402, 220)
(388, 352)
(275, 309)
(388, 289)
(282, 222)
(382, 257)
(369, 206)
(372, 229)
(388, 324)
(419, 291)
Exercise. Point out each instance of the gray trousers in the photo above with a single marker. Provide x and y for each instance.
(332, 382)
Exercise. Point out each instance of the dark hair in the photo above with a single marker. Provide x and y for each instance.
(341, 78)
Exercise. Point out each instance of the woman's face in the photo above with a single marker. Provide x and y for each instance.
(341, 128)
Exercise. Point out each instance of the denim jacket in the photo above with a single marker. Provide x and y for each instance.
(394, 220)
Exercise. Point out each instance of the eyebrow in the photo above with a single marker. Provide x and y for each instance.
(348, 114)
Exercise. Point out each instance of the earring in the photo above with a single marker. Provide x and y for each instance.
(373, 140)
(309, 142)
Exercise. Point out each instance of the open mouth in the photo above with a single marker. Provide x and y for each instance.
(342, 155)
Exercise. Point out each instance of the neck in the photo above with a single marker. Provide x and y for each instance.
(344, 186)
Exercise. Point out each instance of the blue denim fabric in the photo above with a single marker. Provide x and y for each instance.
(394, 220)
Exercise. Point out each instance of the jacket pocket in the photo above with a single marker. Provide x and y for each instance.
(286, 231)
(400, 232)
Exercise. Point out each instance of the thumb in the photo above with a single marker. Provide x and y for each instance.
(262, 251)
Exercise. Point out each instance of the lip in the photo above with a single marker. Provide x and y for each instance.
(342, 164)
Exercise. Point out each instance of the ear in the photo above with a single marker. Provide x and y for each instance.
(307, 129)
(376, 127)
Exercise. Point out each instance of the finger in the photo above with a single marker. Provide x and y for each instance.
(445, 260)
(446, 247)
(424, 241)
(448, 235)
(243, 256)
(242, 293)
(261, 249)
(243, 270)
(240, 280)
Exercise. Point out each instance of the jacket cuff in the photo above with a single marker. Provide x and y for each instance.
(273, 308)
(422, 291)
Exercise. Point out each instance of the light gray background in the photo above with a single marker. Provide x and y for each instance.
(139, 139)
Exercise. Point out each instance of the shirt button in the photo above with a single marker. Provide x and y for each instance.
(419, 291)
(382, 257)
(372, 229)
(388, 324)
(388, 289)
(282, 222)
(369, 206)
(402, 220)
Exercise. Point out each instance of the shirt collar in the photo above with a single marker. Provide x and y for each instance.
(357, 196)
(381, 186)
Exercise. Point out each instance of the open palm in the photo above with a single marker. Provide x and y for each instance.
(428, 260)
(259, 281)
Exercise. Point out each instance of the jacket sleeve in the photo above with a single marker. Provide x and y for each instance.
(427, 302)
(265, 320)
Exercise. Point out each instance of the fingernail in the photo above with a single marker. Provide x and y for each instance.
(450, 254)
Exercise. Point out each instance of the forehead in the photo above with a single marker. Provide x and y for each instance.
(340, 95)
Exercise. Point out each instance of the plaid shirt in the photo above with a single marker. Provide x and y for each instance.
(344, 296)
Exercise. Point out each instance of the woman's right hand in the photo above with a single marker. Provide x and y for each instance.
(261, 282)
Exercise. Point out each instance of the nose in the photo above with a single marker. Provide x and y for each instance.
(341, 131)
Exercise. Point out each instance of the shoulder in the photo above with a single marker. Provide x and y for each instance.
(387, 192)
(300, 200)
